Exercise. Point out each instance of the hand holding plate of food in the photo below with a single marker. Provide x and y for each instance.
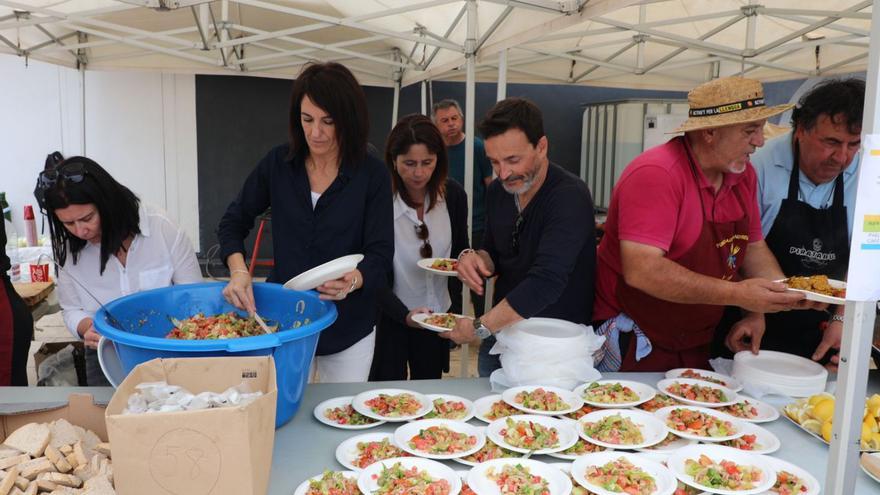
(448, 267)
(437, 322)
(818, 288)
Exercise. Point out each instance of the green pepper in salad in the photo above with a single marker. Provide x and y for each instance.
(516, 479)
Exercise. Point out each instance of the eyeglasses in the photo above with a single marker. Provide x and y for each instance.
(74, 172)
(422, 234)
(514, 238)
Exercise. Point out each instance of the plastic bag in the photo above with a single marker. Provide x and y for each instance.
(59, 369)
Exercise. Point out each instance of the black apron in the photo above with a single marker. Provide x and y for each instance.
(806, 241)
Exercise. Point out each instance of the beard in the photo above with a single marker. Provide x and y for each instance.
(528, 180)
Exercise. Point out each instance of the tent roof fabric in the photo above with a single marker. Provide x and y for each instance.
(671, 44)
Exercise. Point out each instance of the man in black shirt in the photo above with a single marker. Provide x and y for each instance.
(540, 238)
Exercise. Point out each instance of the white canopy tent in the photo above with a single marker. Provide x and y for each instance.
(657, 44)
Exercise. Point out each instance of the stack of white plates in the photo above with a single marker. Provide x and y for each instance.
(780, 373)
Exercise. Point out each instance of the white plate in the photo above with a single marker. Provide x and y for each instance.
(468, 405)
(368, 481)
(731, 396)
(667, 449)
(822, 298)
(780, 368)
(483, 405)
(347, 451)
(663, 413)
(420, 318)
(571, 457)
(766, 412)
(334, 403)
(565, 431)
(425, 264)
(359, 404)
(403, 434)
(718, 453)
(311, 279)
(572, 399)
(875, 478)
(663, 478)
(768, 442)
(653, 430)
(729, 382)
(478, 479)
(645, 393)
(304, 486)
(810, 481)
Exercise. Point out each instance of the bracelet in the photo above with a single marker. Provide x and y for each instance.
(836, 317)
(239, 270)
(464, 252)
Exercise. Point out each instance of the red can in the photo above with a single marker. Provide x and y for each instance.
(40, 273)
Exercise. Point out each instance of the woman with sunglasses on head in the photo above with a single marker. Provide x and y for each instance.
(106, 244)
(430, 220)
(329, 199)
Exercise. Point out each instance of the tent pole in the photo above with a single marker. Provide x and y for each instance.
(394, 106)
(424, 86)
(855, 349)
(470, 45)
(502, 75)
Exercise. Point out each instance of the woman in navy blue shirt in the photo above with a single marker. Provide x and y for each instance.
(329, 198)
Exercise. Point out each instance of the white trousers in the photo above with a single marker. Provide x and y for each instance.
(350, 365)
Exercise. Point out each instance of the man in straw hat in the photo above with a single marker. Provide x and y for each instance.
(683, 225)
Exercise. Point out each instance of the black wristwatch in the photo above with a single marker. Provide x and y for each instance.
(480, 330)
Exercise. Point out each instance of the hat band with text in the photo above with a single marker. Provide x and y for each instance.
(727, 108)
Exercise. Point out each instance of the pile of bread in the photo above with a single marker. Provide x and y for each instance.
(55, 458)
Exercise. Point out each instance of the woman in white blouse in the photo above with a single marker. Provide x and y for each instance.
(430, 220)
(103, 238)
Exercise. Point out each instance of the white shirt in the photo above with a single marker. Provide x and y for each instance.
(161, 255)
(414, 286)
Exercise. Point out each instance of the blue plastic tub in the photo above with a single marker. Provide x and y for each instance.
(145, 320)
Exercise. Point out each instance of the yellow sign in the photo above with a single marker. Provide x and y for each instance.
(872, 223)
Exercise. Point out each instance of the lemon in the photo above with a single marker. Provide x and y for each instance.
(819, 397)
(826, 431)
(875, 440)
(813, 426)
(823, 410)
(874, 405)
(871, 423)
(866, 432)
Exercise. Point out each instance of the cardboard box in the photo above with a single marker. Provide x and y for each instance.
(212, 451)
(80, 410)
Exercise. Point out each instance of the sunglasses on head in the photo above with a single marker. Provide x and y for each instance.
(74, 172)
(425, 251)
(517, 228)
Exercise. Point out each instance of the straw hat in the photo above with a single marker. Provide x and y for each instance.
(727, 101)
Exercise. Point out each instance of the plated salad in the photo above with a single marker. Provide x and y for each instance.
(583, 411)
(698, 423)
(500, 409)
(541, 400)
(582, 447)
(615, 429)
(610, 393)
(698, 393)
(689, 373)
(223, 326)
(397, 480)
(346, 415)
(788, 484)
(745, 442)
(725, 475)
(658, 402)
(394, 406)
(333, 483)
(488, 452)
(445, 320)
(447, 409)
(530, 435)
(744, 410)
(442, 440)
(370, 452)
(518, 480)
(622, 476)
(445, 264)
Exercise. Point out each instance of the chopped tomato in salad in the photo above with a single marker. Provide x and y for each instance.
(441, 440)
(622, 476)
(788, 484)
(659, 401)
(223, 326)
(518, 480)
(610, 393)
(488, 452)
(745, 442)
(445, 264)
(583, 411)
(445, 320)
(615, 429)
(698, 423)
(394, 406)
(370, 452)
(397, 480)
(530, 435)
(697, 392)
(743, 409)
(541, 400)
(582, 447)
(726, 475)
(697, 376)
(682, 489)
(447, 409)
(500, 409)
(466, 490)
(346, 415)
(333, 483)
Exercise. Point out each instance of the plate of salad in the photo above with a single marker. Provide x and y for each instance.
(439, 438)
(612, 473)
(492, 407)
(792, 479)
(437, 322)
(542, 399)
(659, 401)
(751, 410)
(360, 451)
(392, 404)
(409, 476)
(700, 423)
(465, 488)
(706, 376)
(755, 439)
(440, 266)
(615, 393)
(669, 444)
(490, 450)
(581, 447)
(447, 406)
(697, 392)
(330, 483)
(723, 470)
(518, 477)
(621, 429)
(529, 433)
(338, 413)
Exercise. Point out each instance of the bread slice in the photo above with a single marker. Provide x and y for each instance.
(8, 480)
(63, 433)
(31, 439)
(99, 485)
(8, 452)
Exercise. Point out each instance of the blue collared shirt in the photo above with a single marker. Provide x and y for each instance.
(773, 164)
